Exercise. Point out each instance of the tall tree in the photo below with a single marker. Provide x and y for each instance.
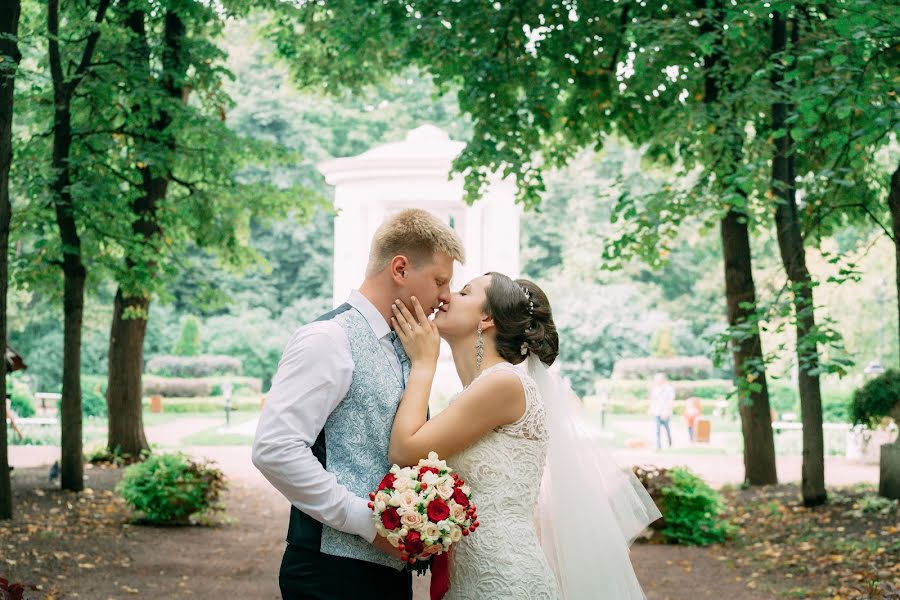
(189, 178)
(793, 255)
(66, 81)
(131, 308)
(9, 63)
(740, 290)
(894, 206)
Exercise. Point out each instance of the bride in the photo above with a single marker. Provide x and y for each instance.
(557, 515)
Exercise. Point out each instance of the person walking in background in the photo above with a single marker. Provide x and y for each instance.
(662, 400)
(692, 412)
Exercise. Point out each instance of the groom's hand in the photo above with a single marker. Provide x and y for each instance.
(382, 544)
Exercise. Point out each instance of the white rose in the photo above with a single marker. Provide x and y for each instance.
(408, 499)
(412, 519)
(457, 512)
(429, 495)
(455, 534)
(380, 506)
(431, 531)
(393, 539)
(444, 489)
(395, 470)
(401, 484)
(430, 478)
(394, 500)
(403, 531)
(382, 497)
(407, 472)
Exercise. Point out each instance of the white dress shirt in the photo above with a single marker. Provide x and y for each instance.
(314, 375)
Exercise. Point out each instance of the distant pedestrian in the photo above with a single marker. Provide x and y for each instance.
(662, 401)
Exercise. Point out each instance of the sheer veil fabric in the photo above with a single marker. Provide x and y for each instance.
(590, 509)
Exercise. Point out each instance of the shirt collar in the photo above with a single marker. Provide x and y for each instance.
(375, 319)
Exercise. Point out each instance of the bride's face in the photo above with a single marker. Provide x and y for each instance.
(465, 310)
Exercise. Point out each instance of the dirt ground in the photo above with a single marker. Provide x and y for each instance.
(81, 546)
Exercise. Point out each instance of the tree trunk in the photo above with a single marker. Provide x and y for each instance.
(740, 294)
(894, 204)
(129, 326)
(74, 273)
(9, 47)
(793, 256)
(126, 363)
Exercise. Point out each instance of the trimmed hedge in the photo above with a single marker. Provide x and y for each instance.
(194, 366)
(676, 368)
(198, 386)
(632, 396)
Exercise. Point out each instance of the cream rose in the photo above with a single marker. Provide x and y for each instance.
(455, 534)
(411, 519)
(444, 489)
(401, 484)
(457, 512)
(431, 531)
(408, 499)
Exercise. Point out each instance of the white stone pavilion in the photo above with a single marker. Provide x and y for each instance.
(416, 173)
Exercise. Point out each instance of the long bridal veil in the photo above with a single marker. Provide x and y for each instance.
(590, 509)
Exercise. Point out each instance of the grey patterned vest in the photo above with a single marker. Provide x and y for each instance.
(353, 445)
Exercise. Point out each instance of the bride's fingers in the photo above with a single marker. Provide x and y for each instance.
(406, 314)
(404, 324)
(398, 330)
(420, 313)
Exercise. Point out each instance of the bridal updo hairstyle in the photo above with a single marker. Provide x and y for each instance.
(521, 320)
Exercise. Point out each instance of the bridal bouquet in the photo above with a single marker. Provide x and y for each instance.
(423, 510)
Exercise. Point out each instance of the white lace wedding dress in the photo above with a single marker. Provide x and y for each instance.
(503, 559)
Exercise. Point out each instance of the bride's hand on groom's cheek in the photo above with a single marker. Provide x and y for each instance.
(417, 333)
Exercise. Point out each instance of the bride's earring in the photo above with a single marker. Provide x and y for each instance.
(479, 350)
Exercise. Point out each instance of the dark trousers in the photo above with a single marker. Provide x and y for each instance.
(311, 575)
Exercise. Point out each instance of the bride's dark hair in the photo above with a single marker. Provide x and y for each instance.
(522, 319)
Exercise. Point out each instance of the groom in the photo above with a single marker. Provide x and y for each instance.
(323, 434)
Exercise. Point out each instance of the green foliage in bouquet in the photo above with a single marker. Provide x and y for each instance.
(170, 489)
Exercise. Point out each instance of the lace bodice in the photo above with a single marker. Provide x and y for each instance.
(503, 559)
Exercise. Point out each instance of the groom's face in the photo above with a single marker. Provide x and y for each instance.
(430, 283)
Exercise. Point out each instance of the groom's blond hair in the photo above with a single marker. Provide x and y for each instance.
(416, 234)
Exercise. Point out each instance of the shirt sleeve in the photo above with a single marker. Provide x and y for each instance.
(313, 376)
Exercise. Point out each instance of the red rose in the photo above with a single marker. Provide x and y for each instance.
(390, 519)
(414, 544)
(438, 510)
(387, 482)
(424, 470)
(460, 498)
